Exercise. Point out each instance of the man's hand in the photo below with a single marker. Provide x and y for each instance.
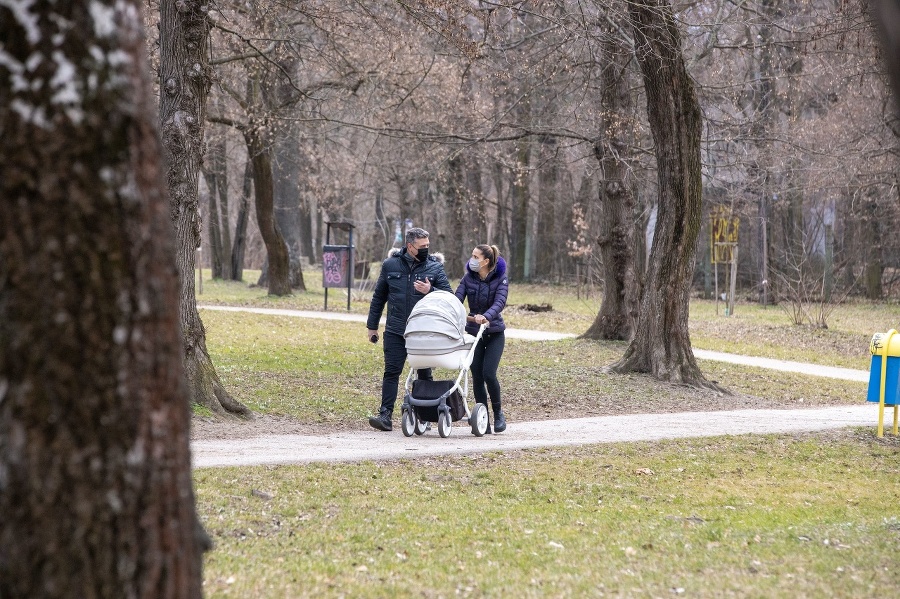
(372, 335)
(422, 287)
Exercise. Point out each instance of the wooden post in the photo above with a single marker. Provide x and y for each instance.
(731, 291)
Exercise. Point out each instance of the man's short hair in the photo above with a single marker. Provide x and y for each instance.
(415, 233)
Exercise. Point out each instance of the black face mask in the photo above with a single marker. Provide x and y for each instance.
(422, 254)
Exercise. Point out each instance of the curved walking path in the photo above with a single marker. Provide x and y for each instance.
(376, 445)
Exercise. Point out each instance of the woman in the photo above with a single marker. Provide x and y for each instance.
(485, 286)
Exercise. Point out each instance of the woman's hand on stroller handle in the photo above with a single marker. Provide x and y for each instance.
(477, 319)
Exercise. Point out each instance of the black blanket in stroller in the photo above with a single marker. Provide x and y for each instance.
(434, 389)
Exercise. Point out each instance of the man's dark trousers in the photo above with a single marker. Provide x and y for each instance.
(394, 361)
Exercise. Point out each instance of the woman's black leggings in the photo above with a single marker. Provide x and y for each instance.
(484, 369)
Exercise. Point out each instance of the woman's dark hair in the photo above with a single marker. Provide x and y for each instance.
(491, 253)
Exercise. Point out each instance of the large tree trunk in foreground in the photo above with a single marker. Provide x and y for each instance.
(618, 309)
(95, 482)
(661, 345)
(184, 82)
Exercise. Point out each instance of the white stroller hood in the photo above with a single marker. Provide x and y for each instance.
(436, 325)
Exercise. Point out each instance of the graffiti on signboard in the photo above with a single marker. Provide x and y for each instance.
(723, 234)
(334, 267)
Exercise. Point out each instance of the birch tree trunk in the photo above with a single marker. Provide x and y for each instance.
(96, 497)
(184, 83)
(661, 345)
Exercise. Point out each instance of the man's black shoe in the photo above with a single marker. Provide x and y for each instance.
(382, 422)
(499, 423)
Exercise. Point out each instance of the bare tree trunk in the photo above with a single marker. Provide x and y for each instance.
(874, 269)
(455, 235)
(621, 289)
(215, 234)
(661, 345)
(545, 236)
(216, 175)
(519, 216)
(478, 209)
(184, 83)
(286, 199)
(95, 483)
(240, 227)
(276, 250)
(886, 14)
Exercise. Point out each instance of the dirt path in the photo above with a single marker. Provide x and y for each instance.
(374, 445)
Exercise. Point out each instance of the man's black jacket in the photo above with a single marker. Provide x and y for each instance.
(395, 288)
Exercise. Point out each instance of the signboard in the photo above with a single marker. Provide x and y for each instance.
(723, 234)
(336, 266)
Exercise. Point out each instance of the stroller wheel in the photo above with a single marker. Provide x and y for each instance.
(408, 422)
(421, 426)
(479, 420)
(444, 424)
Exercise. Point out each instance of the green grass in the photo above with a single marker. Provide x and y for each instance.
(324, 372)
(750, 516)
(752, 330)
(318, 371)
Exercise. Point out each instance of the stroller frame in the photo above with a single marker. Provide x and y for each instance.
(410, 420)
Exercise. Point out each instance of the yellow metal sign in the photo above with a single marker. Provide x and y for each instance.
(723, 234)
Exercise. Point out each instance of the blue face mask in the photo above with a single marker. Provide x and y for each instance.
(474, 264)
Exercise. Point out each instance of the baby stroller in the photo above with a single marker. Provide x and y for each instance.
(436, 338)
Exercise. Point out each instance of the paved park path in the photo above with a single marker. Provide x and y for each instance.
(374, 445)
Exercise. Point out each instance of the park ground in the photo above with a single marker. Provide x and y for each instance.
(789, 514)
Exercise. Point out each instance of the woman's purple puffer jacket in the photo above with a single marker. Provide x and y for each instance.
(487, 297)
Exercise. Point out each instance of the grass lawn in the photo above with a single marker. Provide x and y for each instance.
(752, 516)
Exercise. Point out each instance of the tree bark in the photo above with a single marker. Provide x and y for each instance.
(184, 83)
(886, 14)
(519, 268)
(95, 483)
(240, 227)
(545, 234)
(216, 175)
(215, 235)
(278, 270)
(286, 175)
(616, 238)
(661, 345)
(454, 248)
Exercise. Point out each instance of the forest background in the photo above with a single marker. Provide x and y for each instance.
(518, 122)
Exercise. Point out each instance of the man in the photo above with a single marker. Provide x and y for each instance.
(406, 277)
